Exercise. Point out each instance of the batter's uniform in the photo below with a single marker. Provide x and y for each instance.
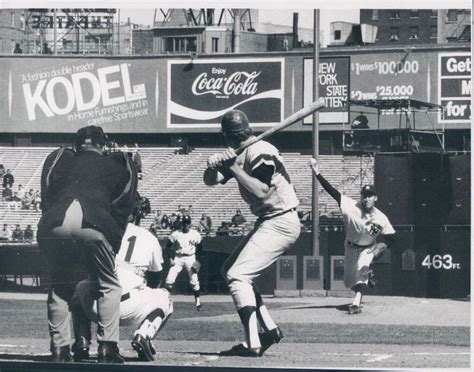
(183, 247)
(86, 200)
(140, 252)
(275, 231)
(362, 229)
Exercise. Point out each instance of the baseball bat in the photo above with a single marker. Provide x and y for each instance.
(298, 115)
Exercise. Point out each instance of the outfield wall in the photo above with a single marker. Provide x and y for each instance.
(403, 271)
(176, 94)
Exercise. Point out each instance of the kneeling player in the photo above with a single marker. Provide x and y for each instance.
(139, 265)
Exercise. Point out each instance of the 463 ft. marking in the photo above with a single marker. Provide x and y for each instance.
(440, 262)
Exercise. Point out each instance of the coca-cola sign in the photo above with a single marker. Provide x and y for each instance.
(201, 91)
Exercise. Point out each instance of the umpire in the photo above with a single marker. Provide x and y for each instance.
(86, 199)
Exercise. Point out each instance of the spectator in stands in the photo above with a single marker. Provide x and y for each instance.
(15, 201)
(28, 200)
(223, 229)
(205, 224)
(165, 222)
(17, 49)
(29, 234)
(7, 193)
(37, 201)
(5, 234)
(238, 219)
(189, 211)
(177, 220)
(21, 191)
(17, 234)
(8, 179)
(181, 209)
(137, 160)
(2, 170)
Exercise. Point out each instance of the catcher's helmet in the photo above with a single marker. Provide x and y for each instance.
(234, 121)
(90, 135)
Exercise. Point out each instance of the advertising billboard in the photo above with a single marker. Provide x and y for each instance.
(201, 91)
(454, 84)
(64, 94)
(334, 88)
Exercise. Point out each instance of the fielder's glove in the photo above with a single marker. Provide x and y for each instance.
(378, 250)
(196, 266)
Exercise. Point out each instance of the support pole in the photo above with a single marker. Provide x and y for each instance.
(315, 205)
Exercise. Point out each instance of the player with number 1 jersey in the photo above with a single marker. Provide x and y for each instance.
(138, 263)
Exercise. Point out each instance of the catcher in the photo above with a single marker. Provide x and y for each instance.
(182, 246)
(139, 267)
(363, 223)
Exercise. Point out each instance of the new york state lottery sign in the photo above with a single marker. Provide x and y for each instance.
(201, 91)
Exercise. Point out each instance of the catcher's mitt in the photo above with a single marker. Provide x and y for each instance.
(196, 266)
(378, 250)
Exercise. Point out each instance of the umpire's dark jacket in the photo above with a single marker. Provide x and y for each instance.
(105, 186)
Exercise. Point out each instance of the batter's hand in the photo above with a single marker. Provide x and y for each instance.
(314, 165)
(214, 161)
(228, 157)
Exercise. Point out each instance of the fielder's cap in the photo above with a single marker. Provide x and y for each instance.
(186, 219)
(90, 135)
(234, 121)
(368, 190)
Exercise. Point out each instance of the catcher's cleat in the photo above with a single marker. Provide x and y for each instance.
(372, 282)
(61, 354)
(144, 348)
(80, 349)
(242, 351)
(269, 338)
(108, 352)
(354, 309)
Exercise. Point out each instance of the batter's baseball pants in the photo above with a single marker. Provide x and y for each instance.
(268, 240)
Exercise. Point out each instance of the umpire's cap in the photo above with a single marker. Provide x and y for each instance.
(368, 190)
(90, 135)
(234, 121)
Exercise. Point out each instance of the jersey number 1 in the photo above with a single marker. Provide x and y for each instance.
(131, 246)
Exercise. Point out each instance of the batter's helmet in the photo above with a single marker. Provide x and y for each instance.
(234, 121)
(90, 135)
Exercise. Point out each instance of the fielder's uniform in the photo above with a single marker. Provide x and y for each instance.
(139, 252)
(275, 231)
(184, 248)
(362, 230)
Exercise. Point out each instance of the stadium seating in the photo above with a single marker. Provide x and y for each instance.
(171, 178)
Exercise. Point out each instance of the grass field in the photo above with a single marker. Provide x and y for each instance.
(314, 333)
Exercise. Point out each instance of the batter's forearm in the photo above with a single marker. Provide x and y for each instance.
(329, 188)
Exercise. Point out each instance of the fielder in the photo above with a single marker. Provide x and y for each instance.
(363, 224)
(182, 246)
(266, 187)
(139, 264)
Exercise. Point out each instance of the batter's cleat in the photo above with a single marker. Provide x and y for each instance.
(242, 351)
(199, 307)
(109, 353)
(143, 347)
(80, 349)
(269, 338)
(61, 354)
(354, 309)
